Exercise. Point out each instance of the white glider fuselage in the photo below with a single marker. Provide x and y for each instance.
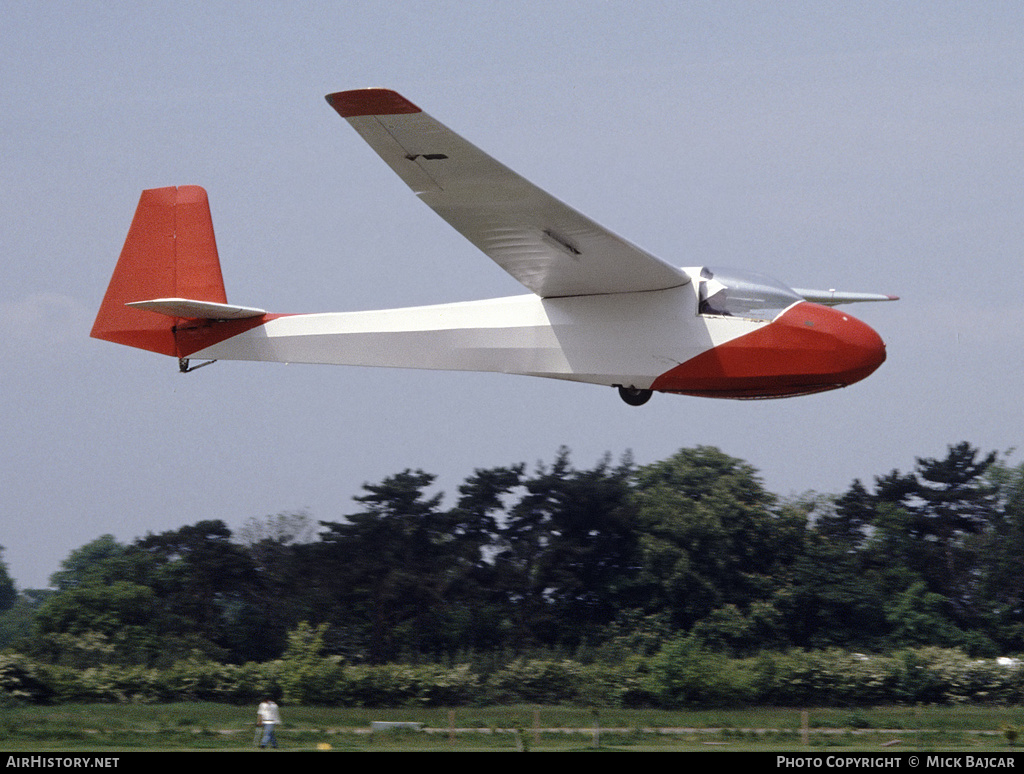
(653, 340)
(622, 338)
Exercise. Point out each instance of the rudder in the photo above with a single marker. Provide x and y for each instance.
(170, 252)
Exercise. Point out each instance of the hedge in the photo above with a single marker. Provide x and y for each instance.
(681, 675)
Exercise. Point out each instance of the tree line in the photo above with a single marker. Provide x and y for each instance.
(596, 564)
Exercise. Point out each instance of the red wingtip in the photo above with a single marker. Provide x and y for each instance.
(370, 102)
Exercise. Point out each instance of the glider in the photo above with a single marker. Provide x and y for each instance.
(601, 310)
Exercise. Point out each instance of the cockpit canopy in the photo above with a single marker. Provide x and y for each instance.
(732, 293)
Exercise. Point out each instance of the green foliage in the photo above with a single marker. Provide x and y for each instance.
(95, 563)
(712, 542)
(8, 592)
(681, 675)
(821, 678)
(305, 676)
(566, 553)
(23, 680)
(687, 675)
(916, 617)
(403, 685)
(676, 582)
(536, 682)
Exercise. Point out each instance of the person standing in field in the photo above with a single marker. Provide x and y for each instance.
(269, 717)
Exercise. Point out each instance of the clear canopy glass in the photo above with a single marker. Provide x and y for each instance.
(732, 293)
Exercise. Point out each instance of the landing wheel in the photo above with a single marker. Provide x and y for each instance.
(635, 396)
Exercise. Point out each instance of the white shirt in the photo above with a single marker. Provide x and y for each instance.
(268, 713)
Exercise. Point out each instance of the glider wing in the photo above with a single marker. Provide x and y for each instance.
(549, 247)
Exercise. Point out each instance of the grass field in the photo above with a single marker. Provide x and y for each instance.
(209, 727)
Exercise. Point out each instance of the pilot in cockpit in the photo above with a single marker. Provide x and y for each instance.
(712, 294)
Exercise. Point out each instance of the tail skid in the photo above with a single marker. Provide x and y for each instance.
(167, 292)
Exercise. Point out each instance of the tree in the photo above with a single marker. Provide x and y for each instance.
(710, 536)
(306, 676)
(17, 624)
(956, 499)
(932, 522)
(917, 617)
(829, 599)
(392, 565)
(847, 524)
(284, 590)
(96, 623)
(1000, 578)
(91, 562)
(103, 609)
(589, 564)
(568, 553)
(8, 592)
(205, 583)
(478, 613)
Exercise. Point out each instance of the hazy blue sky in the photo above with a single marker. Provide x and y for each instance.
(863, 146)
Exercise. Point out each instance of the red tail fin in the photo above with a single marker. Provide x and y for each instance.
(170, 252)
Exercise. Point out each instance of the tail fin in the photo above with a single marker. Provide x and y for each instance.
(170, 252)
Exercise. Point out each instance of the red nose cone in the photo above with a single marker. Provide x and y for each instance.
(841, 346)
(810, 348)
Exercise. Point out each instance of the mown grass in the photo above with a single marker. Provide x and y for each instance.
(205, 726)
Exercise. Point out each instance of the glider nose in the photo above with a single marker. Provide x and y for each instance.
(846, 348)
(809, 348)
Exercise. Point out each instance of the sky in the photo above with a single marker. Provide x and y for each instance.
(863, 146)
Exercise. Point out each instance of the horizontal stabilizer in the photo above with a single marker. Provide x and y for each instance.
(197, 310)
(836, 297)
